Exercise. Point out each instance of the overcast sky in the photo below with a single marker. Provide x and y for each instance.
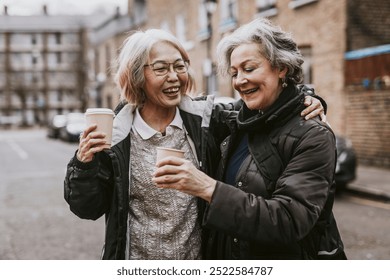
(31, 7)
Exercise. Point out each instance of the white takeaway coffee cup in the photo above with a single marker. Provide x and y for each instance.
(163, 152)
(103, 118)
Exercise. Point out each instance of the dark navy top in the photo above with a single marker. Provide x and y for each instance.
(236, 160)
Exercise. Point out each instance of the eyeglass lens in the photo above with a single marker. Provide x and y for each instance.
(162, 68)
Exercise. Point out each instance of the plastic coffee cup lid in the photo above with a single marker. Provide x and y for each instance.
(99, 111)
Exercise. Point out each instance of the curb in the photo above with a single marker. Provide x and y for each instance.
(371, 192)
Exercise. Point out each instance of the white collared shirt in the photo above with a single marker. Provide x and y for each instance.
(146, 132)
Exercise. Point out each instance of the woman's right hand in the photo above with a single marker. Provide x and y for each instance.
(90, 143)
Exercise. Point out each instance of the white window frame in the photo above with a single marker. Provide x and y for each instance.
(266, 8)
(295, 4)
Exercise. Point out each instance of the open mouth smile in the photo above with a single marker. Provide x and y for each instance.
(249, 91)
(171, 90)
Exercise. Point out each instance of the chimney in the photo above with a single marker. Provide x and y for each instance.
(5, 10)
(45, 10)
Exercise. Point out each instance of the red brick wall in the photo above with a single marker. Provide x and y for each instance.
(368, 23)
(368, 126)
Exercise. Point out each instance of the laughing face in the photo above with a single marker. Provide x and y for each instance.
(254, 78)
(163, 92)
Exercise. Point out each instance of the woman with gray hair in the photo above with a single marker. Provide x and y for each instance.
(274, 192)
(142, 221)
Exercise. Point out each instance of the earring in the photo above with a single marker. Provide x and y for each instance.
(284, 83)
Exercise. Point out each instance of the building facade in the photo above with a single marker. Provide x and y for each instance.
(326, 32)
(42, 67)
(346, 46)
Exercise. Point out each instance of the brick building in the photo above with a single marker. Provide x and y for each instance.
(326, 32)
(42, 67)
(104, 43)
(345, 44)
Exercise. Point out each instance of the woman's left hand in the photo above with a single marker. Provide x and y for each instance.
(182, 175)
(314, 108)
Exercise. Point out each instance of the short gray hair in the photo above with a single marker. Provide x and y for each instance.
(275, 45)
(134, 54)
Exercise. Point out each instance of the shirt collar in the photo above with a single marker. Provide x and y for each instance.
(146, 132)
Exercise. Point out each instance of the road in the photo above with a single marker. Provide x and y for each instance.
(364, 225)
(36, 223)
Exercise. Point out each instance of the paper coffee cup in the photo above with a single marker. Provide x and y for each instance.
(166, 152)
(103, 118)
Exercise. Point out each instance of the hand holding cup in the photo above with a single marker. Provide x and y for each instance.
(98, 134)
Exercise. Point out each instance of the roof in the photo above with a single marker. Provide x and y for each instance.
(50, 22)
(110, 28)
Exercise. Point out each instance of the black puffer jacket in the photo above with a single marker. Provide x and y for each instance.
(261, 218)
(101, 186)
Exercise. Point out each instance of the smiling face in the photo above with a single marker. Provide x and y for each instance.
(163, 92)
(254, 78)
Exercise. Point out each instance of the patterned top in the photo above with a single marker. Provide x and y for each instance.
(163, 222)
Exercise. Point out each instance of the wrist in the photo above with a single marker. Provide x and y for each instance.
(209, 190)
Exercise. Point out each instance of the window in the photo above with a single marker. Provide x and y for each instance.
(139, 11)
(60, 95)
(181, 31)
(58, 38)
(202, 20)
(265, 4)
(307, 65)
(266, 8)
(228, 15)
(181, 28)
(59, 57)
(33, 39)
(294, 4)
(2, 41)
(34, 59)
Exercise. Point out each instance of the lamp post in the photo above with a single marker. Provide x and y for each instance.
(211, 6)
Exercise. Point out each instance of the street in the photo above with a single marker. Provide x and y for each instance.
(35, 220)
(36, 223)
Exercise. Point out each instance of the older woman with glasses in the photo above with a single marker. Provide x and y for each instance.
(142, 221)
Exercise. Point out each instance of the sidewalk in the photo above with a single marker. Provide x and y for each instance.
(371, 181)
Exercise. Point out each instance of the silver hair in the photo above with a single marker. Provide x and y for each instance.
(275, 45)
(134, 54)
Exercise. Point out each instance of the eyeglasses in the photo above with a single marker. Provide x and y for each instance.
(162, 68)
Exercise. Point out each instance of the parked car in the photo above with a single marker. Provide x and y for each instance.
(56, 123)
(346, 162)
(75, 124)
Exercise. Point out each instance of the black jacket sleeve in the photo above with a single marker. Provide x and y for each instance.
(88, 186)
(296, 204)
